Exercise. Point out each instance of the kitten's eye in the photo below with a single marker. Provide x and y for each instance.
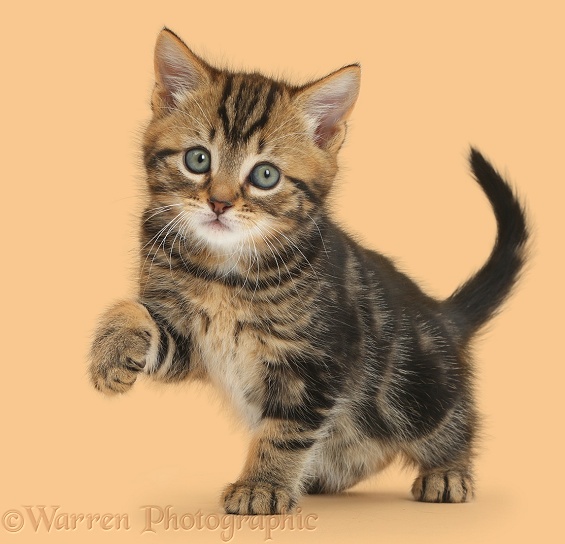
(197, 160)
(264, 176)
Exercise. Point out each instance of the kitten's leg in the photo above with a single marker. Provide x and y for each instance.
(344, 461)
(298, 402)
(129, 341)
(271, 481)
(445, 460)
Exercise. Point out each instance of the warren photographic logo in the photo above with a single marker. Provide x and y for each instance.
(151, 519)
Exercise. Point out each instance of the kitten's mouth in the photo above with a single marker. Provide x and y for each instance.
(217, 225)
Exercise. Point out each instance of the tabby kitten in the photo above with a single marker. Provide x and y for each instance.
(337, 361)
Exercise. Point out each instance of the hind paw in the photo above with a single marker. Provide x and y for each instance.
(450, 486)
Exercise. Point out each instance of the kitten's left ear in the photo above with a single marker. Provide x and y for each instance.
(327, 103)
(177, 70)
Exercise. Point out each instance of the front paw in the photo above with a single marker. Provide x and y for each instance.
(121, 345)
(246, 497)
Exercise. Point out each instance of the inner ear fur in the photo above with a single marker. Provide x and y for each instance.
(327, 103)
(177, 71)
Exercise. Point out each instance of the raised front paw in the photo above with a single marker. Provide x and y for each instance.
(451, 486)
(257, 498)
(122, 343)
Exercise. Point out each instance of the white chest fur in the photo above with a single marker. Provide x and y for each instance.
(229, 361)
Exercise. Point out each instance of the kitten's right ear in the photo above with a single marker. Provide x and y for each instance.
(177, 71)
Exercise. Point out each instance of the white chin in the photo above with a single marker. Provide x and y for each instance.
(221, 236)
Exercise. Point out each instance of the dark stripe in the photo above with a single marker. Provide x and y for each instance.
(212, 134)
(238, 328)
(180, 365)
(244, 113)
(252, 104)
(293, 445)
(287, 274)
(446, 494)
(321, 387)
(273, 502)
(270, 329)
(163, 346)
(238, 111)
(152, 159)
(157, 293)
(206, 318)
(424, 486)
(262, 121)
(302, 186)
(310, 419)
(239, 97)
(222, 110)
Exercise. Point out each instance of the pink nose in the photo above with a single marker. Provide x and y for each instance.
(219, 206)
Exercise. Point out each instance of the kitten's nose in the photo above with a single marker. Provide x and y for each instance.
(219, 206)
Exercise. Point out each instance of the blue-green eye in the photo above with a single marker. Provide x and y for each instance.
(197, 160)
(264, 176)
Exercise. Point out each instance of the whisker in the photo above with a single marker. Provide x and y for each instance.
(298, 249)
(159, 233)
(257, 259)
(291, 278)
(320, 233)
(270, 246)
(175, 239)
(162, 209)
(169, 225)
(246, 276)
(200, 108)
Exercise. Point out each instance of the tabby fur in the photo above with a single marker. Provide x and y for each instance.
(336, 360)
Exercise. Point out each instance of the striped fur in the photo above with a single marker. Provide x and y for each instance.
(336, 361)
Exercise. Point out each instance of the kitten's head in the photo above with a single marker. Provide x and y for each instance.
(236, 160)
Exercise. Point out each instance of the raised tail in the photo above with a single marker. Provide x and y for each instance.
(479, 298)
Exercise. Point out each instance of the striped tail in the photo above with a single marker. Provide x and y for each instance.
(480, 297)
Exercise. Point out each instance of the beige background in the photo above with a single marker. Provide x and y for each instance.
(76, 81)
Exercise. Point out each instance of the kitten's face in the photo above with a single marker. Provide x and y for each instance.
(239, 163)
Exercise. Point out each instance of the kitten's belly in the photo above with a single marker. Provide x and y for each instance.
(229, 364)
